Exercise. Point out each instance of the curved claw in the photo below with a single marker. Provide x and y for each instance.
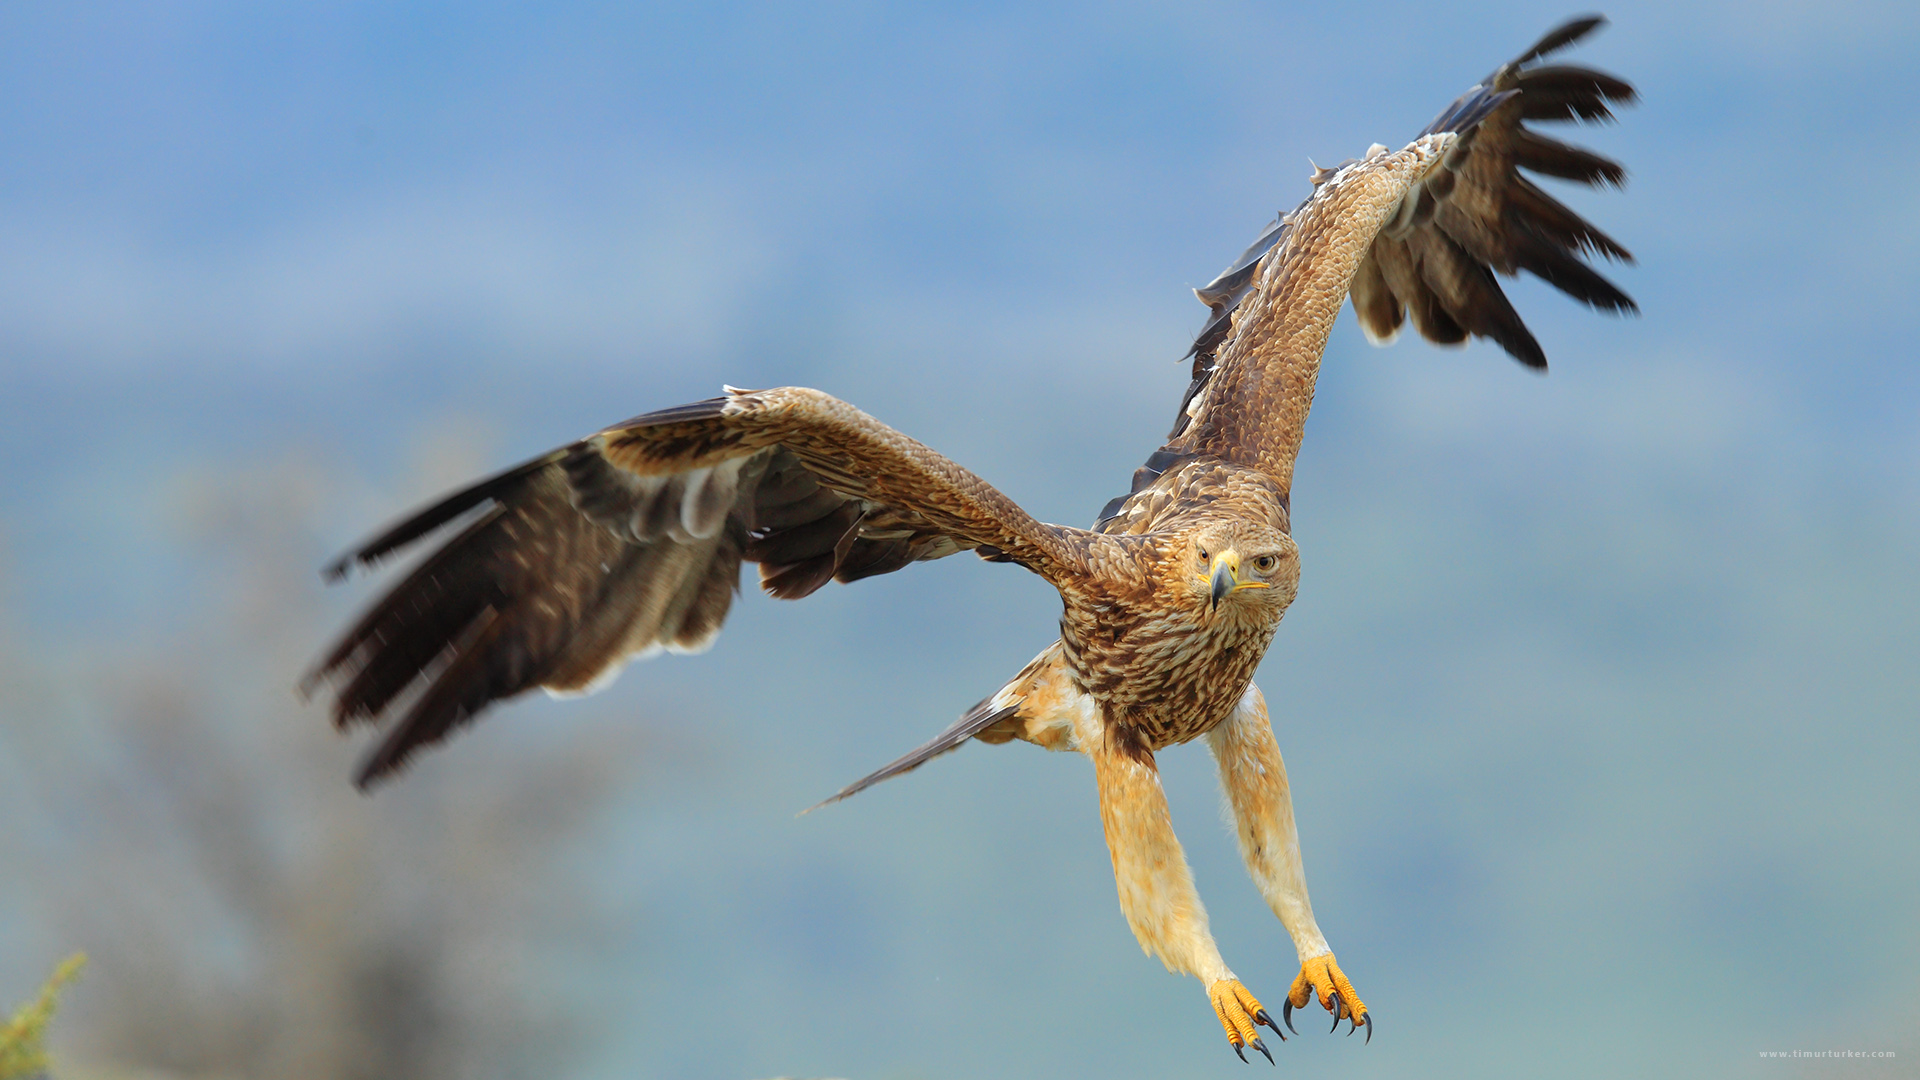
(1262, 1016)
(1321, 976)
(1239, 1012)
(1286, 1015)
(1369, 1023)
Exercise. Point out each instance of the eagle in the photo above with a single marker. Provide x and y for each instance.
(561, 570)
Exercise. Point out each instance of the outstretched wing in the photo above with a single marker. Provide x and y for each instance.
(1252, 410)
(1250, 406)
(1484, 215)
(1435, 260)
(631, 541)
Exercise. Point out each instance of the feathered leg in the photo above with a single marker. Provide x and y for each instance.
(1255, 780)
(1156, 888)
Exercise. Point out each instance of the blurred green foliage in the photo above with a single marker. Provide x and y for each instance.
(23, 1051)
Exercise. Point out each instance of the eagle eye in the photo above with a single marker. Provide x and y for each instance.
(1264, 562)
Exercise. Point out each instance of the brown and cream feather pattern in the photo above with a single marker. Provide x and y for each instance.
(1165, 664)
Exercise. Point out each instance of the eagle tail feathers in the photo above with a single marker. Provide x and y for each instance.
(972, 722)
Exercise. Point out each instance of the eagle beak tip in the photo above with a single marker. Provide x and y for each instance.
(1224, 580)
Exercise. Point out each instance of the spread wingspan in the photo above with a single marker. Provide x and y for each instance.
(631, 540)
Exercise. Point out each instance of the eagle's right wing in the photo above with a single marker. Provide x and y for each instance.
(631, 540)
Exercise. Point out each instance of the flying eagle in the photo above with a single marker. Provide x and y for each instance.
(630, 540)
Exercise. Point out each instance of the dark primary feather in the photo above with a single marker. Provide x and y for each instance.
(421, 522)
(1562, 36)
(1487, 218)
(1568, 93)
(530, 593)
(1550, 157)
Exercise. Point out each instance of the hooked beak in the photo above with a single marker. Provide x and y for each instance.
(1226, 577)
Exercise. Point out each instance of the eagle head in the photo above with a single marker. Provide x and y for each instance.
(1241, 567)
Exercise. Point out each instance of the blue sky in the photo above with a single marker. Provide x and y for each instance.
(1600, 696)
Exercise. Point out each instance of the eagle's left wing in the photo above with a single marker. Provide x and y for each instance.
(1482, 216)
(1433, 256)
(1250, 406)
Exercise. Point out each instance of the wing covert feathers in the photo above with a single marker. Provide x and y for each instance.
(901, 490)
(1251, 406)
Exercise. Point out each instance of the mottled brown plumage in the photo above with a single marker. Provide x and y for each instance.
(631, 540)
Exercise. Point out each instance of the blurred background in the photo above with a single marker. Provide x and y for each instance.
(1599, 697)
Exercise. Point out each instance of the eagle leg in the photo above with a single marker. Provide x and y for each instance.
(1156, 887)
(1255, 780)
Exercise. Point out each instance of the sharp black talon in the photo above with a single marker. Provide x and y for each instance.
(1262, 1016)
(1336, 1012)
(1286, 1014)
(1369, 1027)
(1352, 1025)
(1237, 1050)
(1262, 1047)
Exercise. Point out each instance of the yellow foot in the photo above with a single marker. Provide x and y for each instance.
(1239, 1011)
(1322, 973)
